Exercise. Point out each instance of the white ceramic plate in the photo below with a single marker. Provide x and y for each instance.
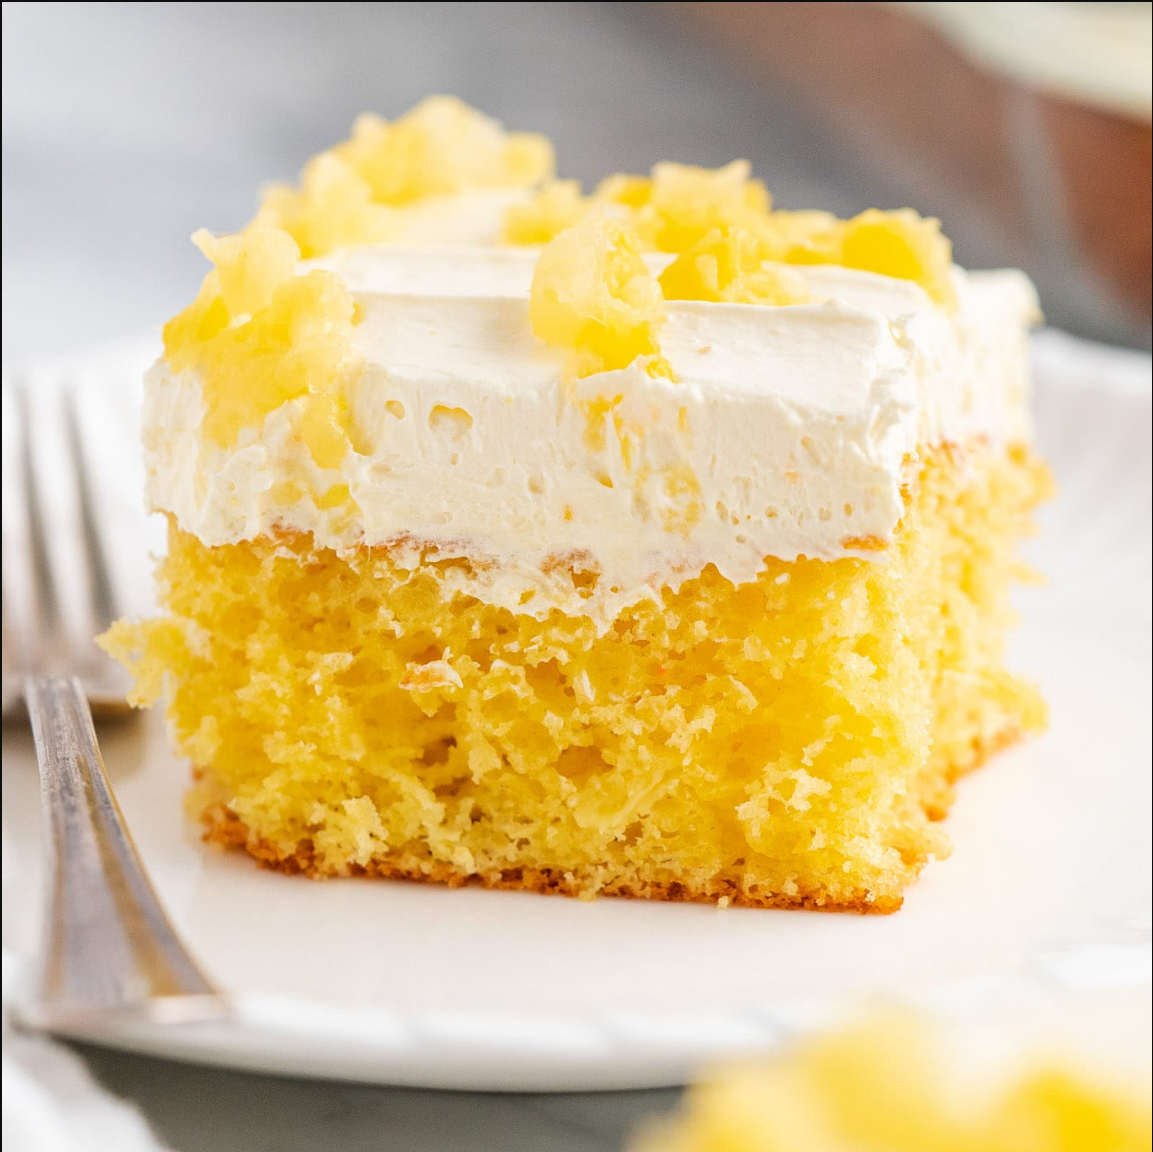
(1048, 886)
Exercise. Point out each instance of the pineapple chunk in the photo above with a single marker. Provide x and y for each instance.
(592, 292)
(732, 266)
(683, 210)
(688, 203)
(260, 336)
(350, 195)
(900, 244)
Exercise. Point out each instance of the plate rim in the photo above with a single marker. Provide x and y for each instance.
(620, 1051)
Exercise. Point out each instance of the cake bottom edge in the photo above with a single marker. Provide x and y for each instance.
(225, 829)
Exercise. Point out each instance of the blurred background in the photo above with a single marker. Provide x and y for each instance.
(1025, 127)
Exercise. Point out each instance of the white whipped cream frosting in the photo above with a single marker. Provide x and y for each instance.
(789, 431)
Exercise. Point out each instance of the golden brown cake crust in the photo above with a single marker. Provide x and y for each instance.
(227, 830)
(937, 791)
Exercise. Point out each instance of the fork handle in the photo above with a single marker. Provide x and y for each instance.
(107, 946)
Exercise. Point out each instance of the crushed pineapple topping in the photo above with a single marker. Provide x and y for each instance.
(680, 207)
(671, 210)
(350, 194)
(734, 267)
(592, 292)
(261, 335)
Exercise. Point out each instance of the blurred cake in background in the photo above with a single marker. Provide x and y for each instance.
(1026, 125)
(908, 1084)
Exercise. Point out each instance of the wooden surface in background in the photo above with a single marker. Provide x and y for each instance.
(1058, 181)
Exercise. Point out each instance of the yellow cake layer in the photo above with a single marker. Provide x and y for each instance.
(785, 742)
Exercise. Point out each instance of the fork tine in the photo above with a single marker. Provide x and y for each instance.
(108, 949)
(101, 595)
(44, 617)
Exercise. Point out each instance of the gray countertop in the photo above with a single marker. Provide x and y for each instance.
(127, 126)
(218, 1110)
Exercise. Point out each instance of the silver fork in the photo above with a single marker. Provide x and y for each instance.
(107, 948)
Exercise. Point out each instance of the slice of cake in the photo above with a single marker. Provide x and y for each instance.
(652, 542)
